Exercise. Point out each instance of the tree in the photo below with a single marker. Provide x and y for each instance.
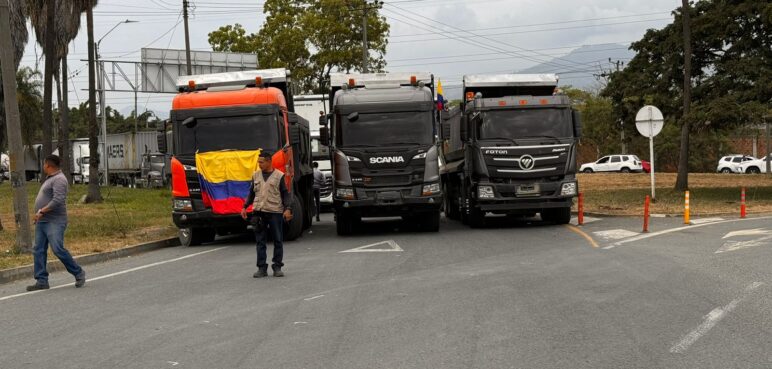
(18, 11)
(30, 99)
(730, 76)
(311, 38)
(682, 182)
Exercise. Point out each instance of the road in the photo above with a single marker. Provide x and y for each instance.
(513, 295)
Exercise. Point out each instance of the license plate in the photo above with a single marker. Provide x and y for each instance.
(525, 190)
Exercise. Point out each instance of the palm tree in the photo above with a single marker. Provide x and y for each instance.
(42, 14)
(19, 35)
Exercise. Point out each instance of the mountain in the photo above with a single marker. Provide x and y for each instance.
(578, 66)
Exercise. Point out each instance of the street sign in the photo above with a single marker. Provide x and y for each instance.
(649, 121)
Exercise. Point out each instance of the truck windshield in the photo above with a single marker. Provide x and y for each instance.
(384, 129)
(525, 123)
(229, 133)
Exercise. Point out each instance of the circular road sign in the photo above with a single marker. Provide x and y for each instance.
(649, 121)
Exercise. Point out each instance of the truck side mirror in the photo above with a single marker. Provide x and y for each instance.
(577, 118)
(324, 135)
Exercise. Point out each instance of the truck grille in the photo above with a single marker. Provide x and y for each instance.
(326, 189)
(527, 161)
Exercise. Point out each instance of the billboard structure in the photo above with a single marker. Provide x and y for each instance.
(162, 67)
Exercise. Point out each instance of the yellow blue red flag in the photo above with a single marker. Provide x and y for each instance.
(226, 178)
(440, 96)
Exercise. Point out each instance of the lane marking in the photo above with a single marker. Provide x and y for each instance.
(313, 298)
(615, 234)
(644, 236)
(737, 245)
(575, 220)
(116, 273)
(711, 319)
(391, 246)
(748, 232)
(586, 236)
(706, 220)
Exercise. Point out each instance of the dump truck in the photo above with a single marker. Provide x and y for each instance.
(247, 110)
(510, 149)
(381, 132)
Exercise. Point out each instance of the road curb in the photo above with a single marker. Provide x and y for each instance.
(14, 274)
(660, 215)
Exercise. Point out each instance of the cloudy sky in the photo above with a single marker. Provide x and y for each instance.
(449, 38)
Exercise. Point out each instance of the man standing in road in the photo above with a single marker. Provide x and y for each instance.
(50, 223)
(270, 202)
(318, 183)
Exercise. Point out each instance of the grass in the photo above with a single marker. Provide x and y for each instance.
(623, 194)
(126, 217)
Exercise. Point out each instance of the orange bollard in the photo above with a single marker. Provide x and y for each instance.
(742, 203)
(686, 208)
(580, 210)
(646, 214)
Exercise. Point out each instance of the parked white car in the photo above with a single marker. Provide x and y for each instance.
(732, 163)
(755, 166)
(614, 163)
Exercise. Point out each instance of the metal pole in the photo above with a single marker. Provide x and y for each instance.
(103, 110)
(768, 152)
(13, 130)
(651, 159)
(187, 36)
(365, 51)
(136, 113)
(622, 134)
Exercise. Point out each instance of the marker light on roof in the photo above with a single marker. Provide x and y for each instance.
(259, 81)
(469, 96)
(523, 102)
(544, 101)
(351, 82)
(192, 84)
(413, 80)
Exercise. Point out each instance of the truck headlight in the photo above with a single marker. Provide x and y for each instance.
(430, 189)
(420, 156)
(568, 189)
(353, 158)
(344, 193)
(485, 192)
(183, 205)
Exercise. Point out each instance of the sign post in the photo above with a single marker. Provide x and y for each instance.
(649, 122)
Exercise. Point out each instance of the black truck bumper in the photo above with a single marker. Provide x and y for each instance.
(508, 198)
(206, 219)
(389, 207)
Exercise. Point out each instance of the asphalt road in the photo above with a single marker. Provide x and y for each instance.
(513, 295)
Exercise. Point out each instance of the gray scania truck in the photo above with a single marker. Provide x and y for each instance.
(510, 149)
(383, 146)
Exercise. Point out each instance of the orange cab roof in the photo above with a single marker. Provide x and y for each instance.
(246, 96)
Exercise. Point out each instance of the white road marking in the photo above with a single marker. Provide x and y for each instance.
(313, 298)
(391, 246)
(748, 232)
(706, 220)
(117, 273)
(644, 236)
(615, 234)
(737, 245)
(711, 320)
(296, 323)
(575, 220)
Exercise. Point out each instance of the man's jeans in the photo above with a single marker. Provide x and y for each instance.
(52, 233)
(274, 223)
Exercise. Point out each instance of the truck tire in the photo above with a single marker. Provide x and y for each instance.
(476, 217)
(556, 215)
(431, 222)
(294, 228)
(344, 224)
(196, 236)
(451, 207)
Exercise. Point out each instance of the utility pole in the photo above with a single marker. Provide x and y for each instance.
(621, 122)
(768, 152)
(187, 35)
(365, 50)
(13, 128)
(682, 181)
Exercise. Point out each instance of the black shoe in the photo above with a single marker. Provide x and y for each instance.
(277, 272)
(80, 280)
(318, 220)
(261, 272)
(37, 287)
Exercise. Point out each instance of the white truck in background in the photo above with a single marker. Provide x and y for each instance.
(311, 107)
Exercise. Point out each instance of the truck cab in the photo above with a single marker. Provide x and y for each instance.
(384, 149)
(236, 111)
(517, 150)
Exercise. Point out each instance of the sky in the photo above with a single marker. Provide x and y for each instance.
(448, 38)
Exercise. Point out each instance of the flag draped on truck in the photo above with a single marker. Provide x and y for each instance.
(440, 96)
(226, 177)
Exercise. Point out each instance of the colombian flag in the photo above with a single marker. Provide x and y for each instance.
(440, 97)
(226, 177)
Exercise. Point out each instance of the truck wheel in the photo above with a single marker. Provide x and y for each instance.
(294, 227)
(557, 215)
(344, 224)
(451, 208)
(476, 217)
(195, 236)
(431, 222)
